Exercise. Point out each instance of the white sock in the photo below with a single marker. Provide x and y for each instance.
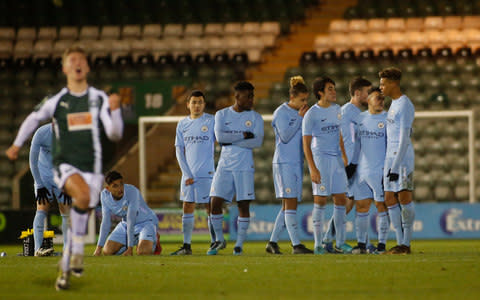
(292, 227)
(278, 227)
(242, 228)
(318, 216)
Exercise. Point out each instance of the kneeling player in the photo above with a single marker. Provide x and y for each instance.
(139, 223)
(372, 139)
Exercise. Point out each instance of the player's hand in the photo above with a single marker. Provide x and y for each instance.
(189, 181)
(98, 251)
(225, 144)
(114, 101)
(12, 152)
(303, 110)
(315, 175)
(42, 196)
(248, 135)
(128, 252)
(350, 170)
(67, 198)
(392, 176)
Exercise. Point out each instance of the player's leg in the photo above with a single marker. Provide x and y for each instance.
(408, 217)
(318, 217)
(394, 213)
(113, 248)
(222, 190)
(116, 242)
(187, 228)
(361, 225)
(278, 227)
(382, 226)
(65, 214)
(39, 228)
(337, 186)
(245, 192)
(146, 238)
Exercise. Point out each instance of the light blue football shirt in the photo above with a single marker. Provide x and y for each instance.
(196, 137)
(323, 124)
(40, 157)
(372, 142)
(131, 208)
(399, 120)
(287, 125)
(229, 128)
(349, 113)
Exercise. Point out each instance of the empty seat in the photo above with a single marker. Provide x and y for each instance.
(193, 30)
(358, 25)
(233, 44)
(251, 28)
(26, 34)
(215, 45)
(270, 27)
(160, 47)
(23, 48)
(340, 42)
(433, 23)
(89, 33)
(322, 43)
(452, 22)
(213, 29)
(7, 33)
(43, 48)
(376, 25)
(414, 24)
(110, 32)
(395, 24)
(120, 48)
(47, 33)
(173, 30)
(232, 29)
(338, 26)
(378, 41)
(131, 32)
(471, 22)
(68, 33)
(152, 31)
(6, 48)
(141, 47)
(416, 40)
(60, 46)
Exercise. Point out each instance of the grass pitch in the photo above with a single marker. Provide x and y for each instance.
(436, 270)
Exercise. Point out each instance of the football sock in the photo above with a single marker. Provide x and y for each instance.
(278, 227)
(38, 228)
(382, 227)
(210, 229)
(328, 237)
(408, 217)
(242, 227)
(361, 226)
(79, 219)
(318, 216)
(217, 224)
(64, 229)
(187, 226)
(339, 216)
(394, 213)
(292, 227)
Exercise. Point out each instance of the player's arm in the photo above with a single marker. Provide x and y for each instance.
(111, 116)
(342, 150)
(222, 134)
(41, 193)
(131, 219)
(285, 129)
(257, 139)
(180, 153)
(104, 227)
(43, 112)
(406, 122)
(348, 133)
(307, 134)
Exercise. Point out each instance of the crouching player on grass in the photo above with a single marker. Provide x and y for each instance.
(139, 223)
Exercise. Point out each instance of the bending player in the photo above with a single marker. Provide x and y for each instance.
(80, 113)
(323, 147)
(358, 88)
(372, 144)
(45, 188)
(139, 223)
(288, 164)
(239, 130)
(399, 161)
(194, 144)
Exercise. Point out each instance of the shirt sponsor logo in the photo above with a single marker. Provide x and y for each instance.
(79, 121)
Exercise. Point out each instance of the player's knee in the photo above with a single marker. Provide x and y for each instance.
(362, 206)
(381, 207)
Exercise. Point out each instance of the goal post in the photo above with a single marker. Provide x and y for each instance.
(143, 122)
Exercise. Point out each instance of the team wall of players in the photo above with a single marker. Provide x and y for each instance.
(356, 157)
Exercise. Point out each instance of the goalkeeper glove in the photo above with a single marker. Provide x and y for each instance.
(350, 170)
(392, 176)
(248, 135)
(42, 195)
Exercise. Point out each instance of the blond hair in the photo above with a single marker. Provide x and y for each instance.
(297, 86)
(294, 80)
(73, 49)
